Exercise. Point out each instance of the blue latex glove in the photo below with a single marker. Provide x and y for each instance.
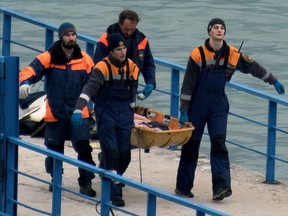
(279, 87)
(76, 119)
(146, 91)
(183, 117)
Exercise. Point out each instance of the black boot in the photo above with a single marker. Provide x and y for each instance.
(119, 202)
(116, 195)
(87, 190)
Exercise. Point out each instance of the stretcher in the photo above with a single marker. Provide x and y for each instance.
(158, 129)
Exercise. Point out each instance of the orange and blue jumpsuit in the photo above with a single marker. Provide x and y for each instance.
(138, 50)
(112, 88)
(64, 81)
(203, 98)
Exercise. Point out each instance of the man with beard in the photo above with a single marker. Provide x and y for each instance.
(112, 88)
(66, 69)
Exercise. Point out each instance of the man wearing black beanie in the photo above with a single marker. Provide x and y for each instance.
(203, 101)
(66, 69)
(215, 21)
(112, 88)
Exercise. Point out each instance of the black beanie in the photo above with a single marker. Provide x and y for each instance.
(64, 28)
(115, 40)
(213, 22)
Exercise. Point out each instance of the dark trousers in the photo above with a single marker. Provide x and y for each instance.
(55, 135)
(208, 106)
(114, 129)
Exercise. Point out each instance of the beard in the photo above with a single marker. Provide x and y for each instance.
(69, 45)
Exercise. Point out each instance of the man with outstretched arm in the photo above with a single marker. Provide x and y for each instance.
(203, 101)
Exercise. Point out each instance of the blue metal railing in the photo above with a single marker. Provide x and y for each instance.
(272, 130)
(9, 141)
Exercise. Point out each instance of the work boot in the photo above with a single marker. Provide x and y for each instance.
(116, 194)
(185, 194)
(87, 190)
(118, 202)
(223, 193)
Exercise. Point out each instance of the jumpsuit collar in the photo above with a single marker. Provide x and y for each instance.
(58, 56)
(207, 45)
(219, 53)
(115, 62)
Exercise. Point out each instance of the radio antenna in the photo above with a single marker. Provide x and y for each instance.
(240, 46)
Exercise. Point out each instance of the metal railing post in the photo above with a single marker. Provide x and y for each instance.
(200, 213)
(151, 204)
(2, 143)
(90, 49)
(174, 101)
(6, 35)
(57, 180)
(49, 38)
(11, 128)
(271, 142)
(105, 195)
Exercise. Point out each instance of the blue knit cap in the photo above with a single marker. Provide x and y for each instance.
(64, 28)
(115, 40)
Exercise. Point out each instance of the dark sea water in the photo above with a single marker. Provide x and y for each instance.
(173, 29)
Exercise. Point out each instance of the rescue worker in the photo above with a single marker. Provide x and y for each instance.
(66, 69)
(203, 101)
(138, 49)
(112, 88)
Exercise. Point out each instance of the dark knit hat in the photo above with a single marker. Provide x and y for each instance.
(213, 22)
(115, 40)
(64, 28)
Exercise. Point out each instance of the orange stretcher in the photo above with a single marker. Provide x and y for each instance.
(147, 137)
